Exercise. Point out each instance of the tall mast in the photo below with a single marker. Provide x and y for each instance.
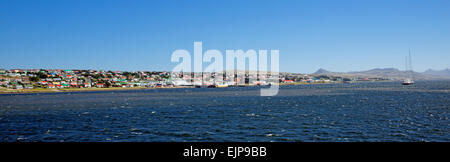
(410, 65)
(406, 63)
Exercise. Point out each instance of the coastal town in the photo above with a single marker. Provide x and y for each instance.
(22, 79)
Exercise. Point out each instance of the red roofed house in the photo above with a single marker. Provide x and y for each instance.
(73, 84)
(100, 85)
(288, 81)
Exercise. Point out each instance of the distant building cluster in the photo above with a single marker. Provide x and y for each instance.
(57, 78)
(69, 78)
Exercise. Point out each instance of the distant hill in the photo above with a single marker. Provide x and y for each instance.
(380, 71)
(391, 73)
(444, 73)
(321, 71)
(394, 74)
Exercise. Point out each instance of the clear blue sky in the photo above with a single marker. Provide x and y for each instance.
(141, 35)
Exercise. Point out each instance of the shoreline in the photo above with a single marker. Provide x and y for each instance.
(48, 90)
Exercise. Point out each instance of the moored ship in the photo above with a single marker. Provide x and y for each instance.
(408, 81)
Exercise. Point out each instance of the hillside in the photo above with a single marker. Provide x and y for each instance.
(391, 73)
(443, 73)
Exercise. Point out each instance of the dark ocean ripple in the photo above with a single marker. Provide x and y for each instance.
(375, 111)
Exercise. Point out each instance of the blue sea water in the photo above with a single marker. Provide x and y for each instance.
(371, 111)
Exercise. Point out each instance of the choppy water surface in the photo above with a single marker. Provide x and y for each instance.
(328, 112)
